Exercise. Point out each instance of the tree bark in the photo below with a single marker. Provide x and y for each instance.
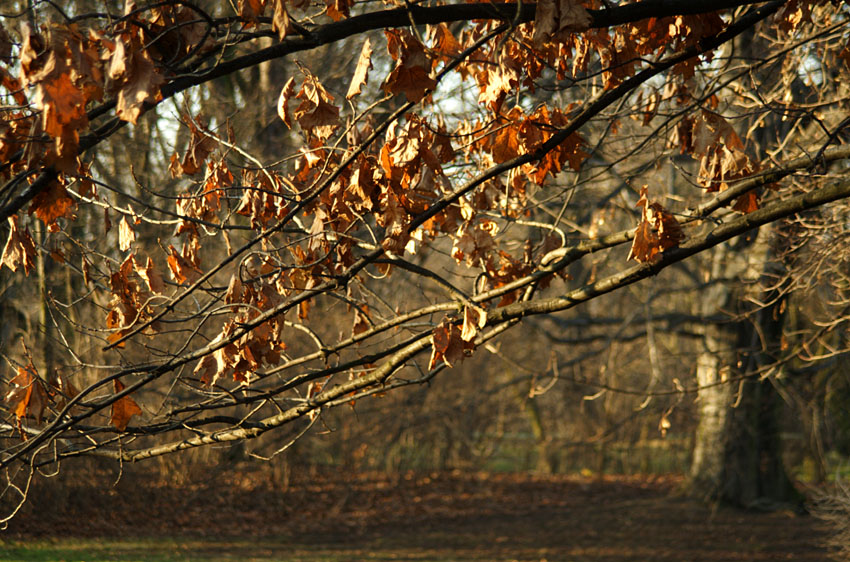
(737, 455)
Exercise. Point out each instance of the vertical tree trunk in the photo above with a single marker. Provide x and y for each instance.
(737, 452)
(45, 344)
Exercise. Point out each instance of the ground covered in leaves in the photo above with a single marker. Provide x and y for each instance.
(441, 516)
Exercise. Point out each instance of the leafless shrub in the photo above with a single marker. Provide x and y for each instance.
(834, 509)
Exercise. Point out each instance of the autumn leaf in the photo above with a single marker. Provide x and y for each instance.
(27, 395)
(337, 9)
(361, 72)
(201, 144)
(286, 94)
(506, 145)
(123, 409)
(474, 319)
(395, 219)
(182, 270)
(746, 203)
(316, 113)
(64, 69)
(52, 203)
(709, 129)
(63, 114)
(134, 77)
(234, 291)
(447, 346)
(280, 19)
(362, 321)
(553, 19)
(670, 232)
(61, 390)
(657, 231)
(645, 245)
(250, 10)
(19, 249)
(412, 73)
(126, 235)
(443, 40)
(150, 275)
(207, 370)
(495, 82)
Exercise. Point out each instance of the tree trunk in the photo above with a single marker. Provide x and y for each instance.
(737, 453)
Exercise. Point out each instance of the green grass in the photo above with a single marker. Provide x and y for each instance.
(159, 550)
(93, 550)
(192, 550)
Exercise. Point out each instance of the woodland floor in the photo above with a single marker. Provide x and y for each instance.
(445, 516)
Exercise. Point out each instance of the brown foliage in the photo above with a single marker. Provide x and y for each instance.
(444, 202)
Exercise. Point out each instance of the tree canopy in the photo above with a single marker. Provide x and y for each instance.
(316, 202)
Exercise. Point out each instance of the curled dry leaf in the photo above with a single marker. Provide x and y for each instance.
(657, 231)
(150, 275)
(27, 395)
(474, 319)
(448, 346)
(123, 409)
(126, 235)
(52, 203)
(412, 73)
(182, 269)
(283, 101)
(361, 72)
(316, 113)
(135, 77)
(19, 249)
(362, 322)
(201, 144)
(250, 10)
(281, 22)
(554, 19)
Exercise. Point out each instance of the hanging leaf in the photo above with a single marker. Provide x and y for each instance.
(448, 346)
(135, 78)
(19, 249)
(52, 203)
(27, 396)
(123, 409)
(361, 72)
(657, 231)
(474, 319)
(554, 19)
(126, 235)
(412, 73)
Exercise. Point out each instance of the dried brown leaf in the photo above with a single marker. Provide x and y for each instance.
(123, 409)
(283, 100)
(361, 72)
(447, 346)
(135, 77)
(555, 19)
(151, 276)
(52, 203)
(474, 319)
(27, 394)
(19, 249)
(126, 235)
(280, 19)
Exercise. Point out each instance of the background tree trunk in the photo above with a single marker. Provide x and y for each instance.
(737, 454)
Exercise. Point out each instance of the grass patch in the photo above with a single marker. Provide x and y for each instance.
(198, 550)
